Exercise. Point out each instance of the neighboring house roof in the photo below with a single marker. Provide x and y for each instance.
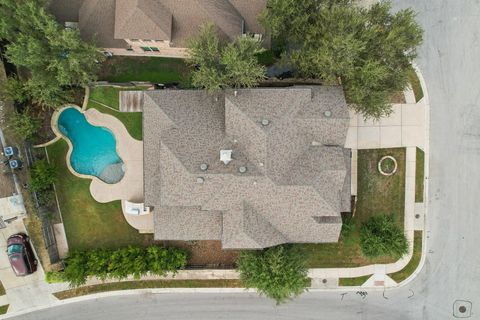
(96, 19)
(298, 172)
(142, 19)
(173, 20)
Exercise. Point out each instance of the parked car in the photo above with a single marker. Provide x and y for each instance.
(20, 254)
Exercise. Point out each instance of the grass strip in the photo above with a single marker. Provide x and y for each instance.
(2, 289)
(4, 309)
(412, 265)
(148, 284)
(353, 282)
(419, 175)
(415, 83)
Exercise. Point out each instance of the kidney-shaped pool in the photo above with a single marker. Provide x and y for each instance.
(94, 148)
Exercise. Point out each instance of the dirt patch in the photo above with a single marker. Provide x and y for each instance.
(207, 253)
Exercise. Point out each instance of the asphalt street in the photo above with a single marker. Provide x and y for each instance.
(450, 62)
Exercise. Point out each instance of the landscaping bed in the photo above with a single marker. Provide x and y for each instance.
(377, 194)
(153, 69)
(148, 284)
(88, 223)
(207, 253)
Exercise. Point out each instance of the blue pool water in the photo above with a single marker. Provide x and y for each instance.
(94, 148)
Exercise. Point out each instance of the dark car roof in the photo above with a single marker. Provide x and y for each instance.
(18, 264)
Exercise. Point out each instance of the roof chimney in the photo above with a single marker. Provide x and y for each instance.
(226, 156)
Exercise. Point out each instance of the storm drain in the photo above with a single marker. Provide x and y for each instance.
(462, 309)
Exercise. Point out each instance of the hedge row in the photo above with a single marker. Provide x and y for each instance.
(120, 263)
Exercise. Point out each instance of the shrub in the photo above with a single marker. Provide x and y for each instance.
(54, 277)
(380, 235)
(278, 272)
(24, 124)
(119, 264)
(43, 175)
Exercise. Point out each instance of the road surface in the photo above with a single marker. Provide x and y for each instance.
(450, 63)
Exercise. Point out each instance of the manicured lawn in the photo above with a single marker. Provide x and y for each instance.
(415, 83)
(110, 95)
(127, 285)
(153, 69)
(89, 224)
(377, 194)
(419, 175)
(4, 309)
(353, 282)
(131, 120)
(414, 262)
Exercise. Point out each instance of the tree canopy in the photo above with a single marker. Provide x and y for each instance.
(367, 50)
(55, 57)
(278, 272)
(219, 65)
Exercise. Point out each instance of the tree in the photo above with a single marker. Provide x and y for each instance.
(368, 51)
(43, 175)
(14, 89)
(24, 124)
(380, 235)
(219, 65)
(55, 57)
(278, 272)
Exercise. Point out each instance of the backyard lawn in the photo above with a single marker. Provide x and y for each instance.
(153, 69)
(377, 194)
(89, 224)
(109, 96)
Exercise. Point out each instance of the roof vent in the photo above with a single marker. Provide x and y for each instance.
(204, 167)
(327, 113)
(242, 169)
(265, 122)
(200, 180)
(226, 156)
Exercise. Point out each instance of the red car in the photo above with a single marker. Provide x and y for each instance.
(21, 256)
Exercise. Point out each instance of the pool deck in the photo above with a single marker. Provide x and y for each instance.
(130, 188)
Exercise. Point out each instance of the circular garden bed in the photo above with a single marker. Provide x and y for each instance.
(387, 165)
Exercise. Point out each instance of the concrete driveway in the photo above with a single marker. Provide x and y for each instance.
(22, 292)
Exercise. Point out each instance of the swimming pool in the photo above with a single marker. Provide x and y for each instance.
(94, 148)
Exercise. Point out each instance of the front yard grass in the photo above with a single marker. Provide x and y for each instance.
(4, 309)
(412, 265)
(88, 223)
(153, 69)
(353, 282)
(419, 175)
(377, 194)
(148, 284)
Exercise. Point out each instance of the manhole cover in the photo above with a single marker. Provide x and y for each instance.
(417, 216)
(324, 280)
(462, 309)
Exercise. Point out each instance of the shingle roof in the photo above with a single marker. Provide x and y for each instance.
(174, 20)
(297, 180)
(142, 19)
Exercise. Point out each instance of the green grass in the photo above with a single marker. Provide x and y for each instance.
(413, 263)
(2, 289)
(131, 120)
(110, 95)
(377, 194)
(153, 69)
(148, 284)
(4, 309)
(353, 282)
(415, 83)
(419, 175)
(88, 223)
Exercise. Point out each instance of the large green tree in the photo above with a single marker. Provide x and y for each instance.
(367, 50)
(278, 272)
(219, 65)
(56, 58)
